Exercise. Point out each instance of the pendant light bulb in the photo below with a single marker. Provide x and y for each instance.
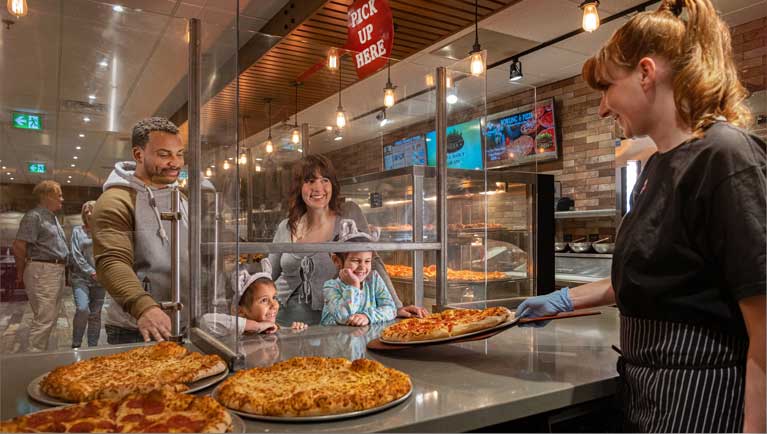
(226, 164)
(590, 15)
(18, 8)
(340, 117)
(477, 64)
(333, 59)
(258, 167)
(295, 136)
(208, 172)
(243, 159)
(388, 96)
(269, 145)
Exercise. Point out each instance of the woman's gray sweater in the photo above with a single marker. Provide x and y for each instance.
(304, 275)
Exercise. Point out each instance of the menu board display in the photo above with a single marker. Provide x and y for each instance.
(521, 137)
(464, 146)
(405, 153)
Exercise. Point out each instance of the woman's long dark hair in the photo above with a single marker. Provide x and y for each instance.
(305, 170)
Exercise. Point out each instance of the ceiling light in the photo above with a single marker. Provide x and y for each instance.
(18, 8)
(86, 119)
(295, 135)
(74, 157)
(389, 88)
(3, 167)
(338, 135)
(515, 70)
(590, 15)
(91, 97)
(103, 64)
(329, 128)
(477, 63)
(258, 167)
(429, 80)
(118, 8)
(243, 159)
(7, 173)
(68, 181)
(382, 119)
(11, 178)
(451, 99)
(448, 82)
(258, 159)
(73, 165)
(269, 145)
(340, 115)
(70, 176)
(226, 164)
(208, 172)
(78, 147)
(333, 59)
(81, 135)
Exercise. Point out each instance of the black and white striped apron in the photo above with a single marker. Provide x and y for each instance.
(679, 377)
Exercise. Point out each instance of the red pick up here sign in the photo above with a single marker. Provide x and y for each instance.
(371, 35)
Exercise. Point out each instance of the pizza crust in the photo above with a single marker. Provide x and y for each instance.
(449, 323)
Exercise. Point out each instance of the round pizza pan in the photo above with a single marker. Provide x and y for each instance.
(326, 418)
(451, 338)
(238, 425)
(36, 393)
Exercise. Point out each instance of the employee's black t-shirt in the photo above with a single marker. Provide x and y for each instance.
(693, 243)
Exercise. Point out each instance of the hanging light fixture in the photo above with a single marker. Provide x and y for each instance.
(476, 62)
(258, 167)
(590, 15)
(18, 8)
(340, 115)
(243, 160)
(333, 59)
(389, 88)
(515, 70)
(226, 164)
(269, 145)
(295, 135)
(208, 172)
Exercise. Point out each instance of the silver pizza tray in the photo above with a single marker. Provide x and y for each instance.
(36, 393)
(504, 324)
(326, 418)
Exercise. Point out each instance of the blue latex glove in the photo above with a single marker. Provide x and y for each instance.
(545, 305)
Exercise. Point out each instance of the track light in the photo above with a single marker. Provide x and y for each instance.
(590, 15)
(382, 119)
(515, 70)
(338, 135)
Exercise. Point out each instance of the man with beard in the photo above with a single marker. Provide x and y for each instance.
(131, 243)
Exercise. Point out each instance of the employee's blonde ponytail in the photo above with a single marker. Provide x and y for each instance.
(691, 36)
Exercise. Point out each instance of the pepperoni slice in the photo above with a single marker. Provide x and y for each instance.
(82, 427)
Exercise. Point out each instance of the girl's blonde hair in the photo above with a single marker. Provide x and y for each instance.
(704, 77)
(86, 209)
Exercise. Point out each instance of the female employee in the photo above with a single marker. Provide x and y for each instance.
(689, 264)
(315, 211)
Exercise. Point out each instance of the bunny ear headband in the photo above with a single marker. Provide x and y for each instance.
(349, 231)
(246, 279)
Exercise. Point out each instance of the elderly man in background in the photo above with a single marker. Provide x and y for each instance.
(40, 250)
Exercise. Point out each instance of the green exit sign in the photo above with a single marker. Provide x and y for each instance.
(27, 121)
(37, 168)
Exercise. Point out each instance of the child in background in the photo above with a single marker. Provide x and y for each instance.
(356, 297)
(257, 307)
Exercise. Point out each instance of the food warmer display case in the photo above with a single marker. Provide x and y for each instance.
(499, 237)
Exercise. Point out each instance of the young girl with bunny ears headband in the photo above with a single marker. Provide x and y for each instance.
(257, 307)
(357, 297)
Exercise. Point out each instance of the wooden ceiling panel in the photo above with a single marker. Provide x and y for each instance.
(418, 24)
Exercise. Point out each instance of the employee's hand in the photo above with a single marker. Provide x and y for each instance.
(154, 324)
(20, 281)
(545, 305)
(348, 277)
(358, 320)
(412, 311)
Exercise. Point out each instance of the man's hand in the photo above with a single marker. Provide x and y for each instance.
(358, 320)
(348, 277)
(154, 324)
(412, 311)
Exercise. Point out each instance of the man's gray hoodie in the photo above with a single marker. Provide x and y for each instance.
(132, 245)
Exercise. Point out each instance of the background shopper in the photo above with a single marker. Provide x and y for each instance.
(88, 293)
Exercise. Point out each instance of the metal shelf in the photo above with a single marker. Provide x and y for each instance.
(591, 213)
(584, 255)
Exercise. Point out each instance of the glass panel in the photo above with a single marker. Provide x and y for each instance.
(91, 72)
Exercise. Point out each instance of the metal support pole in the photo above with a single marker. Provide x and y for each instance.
(216, 217)
(440, 124)
(250, 173)
(418, 223)
(175, 264)
(194, 154)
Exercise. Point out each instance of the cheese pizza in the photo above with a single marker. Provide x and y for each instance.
(313, 386)
(165, 364)
(449, 323)
(155, 411)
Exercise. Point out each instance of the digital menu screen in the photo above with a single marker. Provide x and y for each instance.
(464, 146)
(405, 153)
(521, 137)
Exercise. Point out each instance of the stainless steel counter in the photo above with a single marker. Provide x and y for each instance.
(457, 387)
